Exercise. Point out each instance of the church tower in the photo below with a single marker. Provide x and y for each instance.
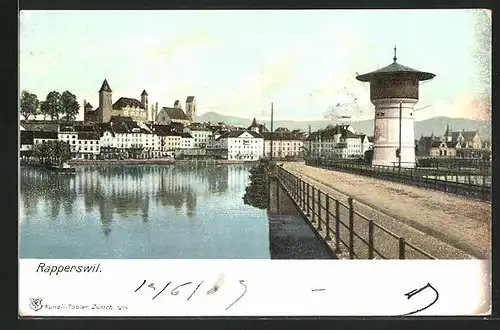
(105, 103)
(191, 109)
(144, 100)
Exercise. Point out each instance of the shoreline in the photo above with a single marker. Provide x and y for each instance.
(155, 162)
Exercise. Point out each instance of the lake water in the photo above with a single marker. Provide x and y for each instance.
(152, 211)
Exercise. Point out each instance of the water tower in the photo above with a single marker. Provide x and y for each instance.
(394, 93)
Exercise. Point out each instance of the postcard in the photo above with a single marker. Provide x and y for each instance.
(255, 163)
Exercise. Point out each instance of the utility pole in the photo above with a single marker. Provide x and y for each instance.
(400, 132)
(310, 138)
(272, 122)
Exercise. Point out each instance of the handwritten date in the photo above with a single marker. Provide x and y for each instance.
(175, 290)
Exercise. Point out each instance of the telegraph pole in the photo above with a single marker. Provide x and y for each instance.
(272, 122)
(400, 127)
(310, 151)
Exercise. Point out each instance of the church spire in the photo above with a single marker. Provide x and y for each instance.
(395, 57)
(105, 87)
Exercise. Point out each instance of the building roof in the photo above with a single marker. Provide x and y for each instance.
(27, 137)
(254, 123)
(280, 136)
(45, 135)
(88, 136)
(186, 135)
(371, 139)
(120, 119)
(175, 113)
(66, 128)
(392, 69)
(88, 106)
(469, 135)
(177, 104)
(144, 93)
(84, 128)
(238, 133)
(189, 99)
(105, 87)
(127, 102)
(40, 126)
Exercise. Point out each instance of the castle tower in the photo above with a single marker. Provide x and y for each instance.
(191, 108)
(394, 93)
(144, 100)
(105, 103)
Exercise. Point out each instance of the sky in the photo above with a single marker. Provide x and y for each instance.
(238, 62)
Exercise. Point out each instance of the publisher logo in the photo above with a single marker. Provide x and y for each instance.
(36, 304)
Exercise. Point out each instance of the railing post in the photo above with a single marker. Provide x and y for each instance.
(327, 206)
(308, 199)
(313, 204)
(319, 210)
(297, 187)
(337, 226)
(402, 248)
(445, 181)
(435, 179)
(371, 243)
(484, 186)
(351, 228)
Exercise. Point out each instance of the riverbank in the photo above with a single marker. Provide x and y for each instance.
(156, 161)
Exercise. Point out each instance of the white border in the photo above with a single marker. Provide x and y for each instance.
(273, 288)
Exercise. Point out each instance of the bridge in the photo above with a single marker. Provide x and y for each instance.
(362, 217)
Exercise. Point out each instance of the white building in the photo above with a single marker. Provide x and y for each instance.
(87, 146)
(340, 141)
(202, 136)
(187, 141)
(242, 145)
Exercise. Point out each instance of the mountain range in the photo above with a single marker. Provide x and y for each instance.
(436, 125)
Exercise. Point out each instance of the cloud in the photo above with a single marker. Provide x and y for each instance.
(467, 105)
(193, 39)
(257, 90)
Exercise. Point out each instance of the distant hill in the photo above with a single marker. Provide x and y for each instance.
(436, 125)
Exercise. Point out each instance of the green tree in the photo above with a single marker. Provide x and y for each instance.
(52, 105)
(44, 109)
(29, 104)
(69, 105)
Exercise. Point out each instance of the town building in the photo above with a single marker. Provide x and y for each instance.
(124, 106)
(187, 141)
(462, 144)
(340, 141)
(43, 136)
(88, 145)
(167, 116)
(242, 145)
(201, 135)
(256, 127)
(284, 144)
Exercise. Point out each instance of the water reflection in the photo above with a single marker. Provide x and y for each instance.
(124, 191)
(172, 211)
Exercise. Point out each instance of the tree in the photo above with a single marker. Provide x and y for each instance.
(44, 109)
(69, 105)
(53, 105)
(29, 104)
(369, 156)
